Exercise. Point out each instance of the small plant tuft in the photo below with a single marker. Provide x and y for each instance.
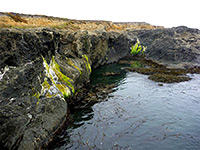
(137, 48)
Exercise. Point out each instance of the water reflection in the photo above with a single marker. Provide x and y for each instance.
(137, 64)
(139, 115)
(98, 77)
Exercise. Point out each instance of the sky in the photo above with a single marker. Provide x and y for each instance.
(167, 13)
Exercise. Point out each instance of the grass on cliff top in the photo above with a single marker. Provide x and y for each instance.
(13, 20)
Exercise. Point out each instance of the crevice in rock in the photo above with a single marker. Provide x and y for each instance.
(11, 61)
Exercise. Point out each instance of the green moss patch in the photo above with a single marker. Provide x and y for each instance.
(71, 63)
(87, 64)
(56, 83)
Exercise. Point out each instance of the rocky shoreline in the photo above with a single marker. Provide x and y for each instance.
(42, 68)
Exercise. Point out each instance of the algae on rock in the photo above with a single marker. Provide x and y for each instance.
(87, 64)
(55, 83)
(72, 63)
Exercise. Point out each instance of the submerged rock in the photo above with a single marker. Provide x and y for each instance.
(88, 96)
(111, 73)
(160, 73)
(168, 78)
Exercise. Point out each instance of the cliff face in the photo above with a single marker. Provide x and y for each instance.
(42, 67)
(174, 47)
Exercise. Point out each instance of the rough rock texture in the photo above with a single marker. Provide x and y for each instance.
(21, 53)
(175, 47)
(40, 69)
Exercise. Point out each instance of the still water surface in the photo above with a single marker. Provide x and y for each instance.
(138, 115)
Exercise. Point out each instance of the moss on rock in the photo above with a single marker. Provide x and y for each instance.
(71, 63)
(55, 83)
(87, 64)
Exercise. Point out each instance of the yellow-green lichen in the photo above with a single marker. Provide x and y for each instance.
(55, 89)
(61, 77)
(45, 85)
(37, 95)
(87, 64)
(55, 83)
(70, 62)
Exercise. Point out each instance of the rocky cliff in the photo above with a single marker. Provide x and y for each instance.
(41, 68)
(174, 47)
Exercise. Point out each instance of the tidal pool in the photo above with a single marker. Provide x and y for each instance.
(138, 115)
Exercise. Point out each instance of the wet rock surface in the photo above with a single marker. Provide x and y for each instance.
(41, 69)
(161, 73)
(86, 97)
(168, 78)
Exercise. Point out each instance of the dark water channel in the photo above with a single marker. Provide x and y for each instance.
(138, 115)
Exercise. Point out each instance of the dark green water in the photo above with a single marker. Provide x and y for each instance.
(138, 115)
(97, 77)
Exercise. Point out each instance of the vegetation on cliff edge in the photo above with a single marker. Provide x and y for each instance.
(15, 20)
